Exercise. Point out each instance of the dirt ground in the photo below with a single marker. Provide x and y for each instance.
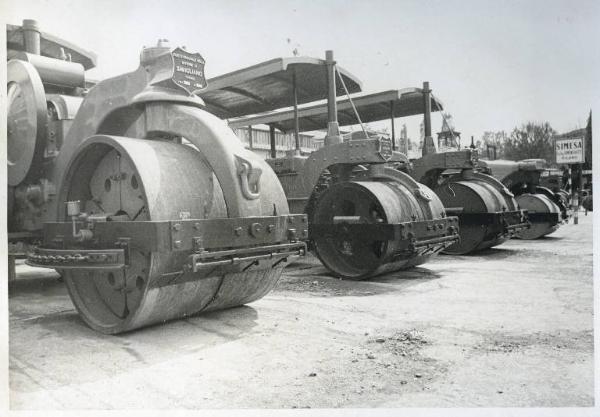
(511, 326)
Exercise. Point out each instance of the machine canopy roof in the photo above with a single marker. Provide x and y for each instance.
(50, 47)
(269, 86)
(371, 108)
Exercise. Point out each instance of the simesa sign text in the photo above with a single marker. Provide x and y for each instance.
(569, 151)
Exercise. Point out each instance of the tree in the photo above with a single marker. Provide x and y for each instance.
(588, 143)
(492, 139)
(531, 140)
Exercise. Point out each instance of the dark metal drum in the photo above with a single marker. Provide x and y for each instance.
(358, 248)
(487, 210)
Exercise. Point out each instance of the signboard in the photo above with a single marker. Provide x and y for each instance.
(385, 148)
(188, 70)
(569, 151)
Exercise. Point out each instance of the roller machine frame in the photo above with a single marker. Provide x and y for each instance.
(157, 211)
(487, 210)
(547, 209)
(365, 218)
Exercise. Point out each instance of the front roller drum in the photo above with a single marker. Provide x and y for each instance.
(544, 215)
(487, 212)
(361, 229)
(140, 199)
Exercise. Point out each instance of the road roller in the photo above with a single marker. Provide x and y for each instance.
(547, 210)
(487, 210)
(365, 218)
(554, 179)
(157, 211)
(45, 86)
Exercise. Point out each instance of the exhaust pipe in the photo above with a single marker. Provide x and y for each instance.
(31, 36)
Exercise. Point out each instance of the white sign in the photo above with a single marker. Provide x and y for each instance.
(569, 151)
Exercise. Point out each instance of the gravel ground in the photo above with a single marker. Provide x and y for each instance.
(511, 326)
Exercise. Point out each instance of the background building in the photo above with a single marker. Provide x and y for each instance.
(258, 141)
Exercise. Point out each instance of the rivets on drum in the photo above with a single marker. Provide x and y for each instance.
(177, 244)
(238, 231)
(177, 227)
(270, 228)
(196, 226)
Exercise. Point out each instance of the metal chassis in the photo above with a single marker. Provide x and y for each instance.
(507, 222)
(553, 218)
(412, 236)
(207, 242)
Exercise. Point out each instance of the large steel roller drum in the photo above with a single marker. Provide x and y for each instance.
(537, 203)
(149, 180)
(26, 122)
(475, 195)
(374, 202)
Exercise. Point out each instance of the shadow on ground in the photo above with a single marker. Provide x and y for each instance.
(317, 281)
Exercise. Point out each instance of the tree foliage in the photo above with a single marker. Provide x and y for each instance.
(588, 143)
(492, 139)
(531, 140)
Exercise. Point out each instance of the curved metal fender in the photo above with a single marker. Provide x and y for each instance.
(428, 200)
(496, 185)
(110, 108)
(494, 182)
(249, 191)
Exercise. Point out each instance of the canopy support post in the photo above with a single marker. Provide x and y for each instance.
(392, 108)
(333, 128)
(272, 141)
(296, 121)
(428, 144)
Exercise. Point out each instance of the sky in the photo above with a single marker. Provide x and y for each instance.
(494, 64)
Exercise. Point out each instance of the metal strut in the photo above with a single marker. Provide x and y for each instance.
(351, 102)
